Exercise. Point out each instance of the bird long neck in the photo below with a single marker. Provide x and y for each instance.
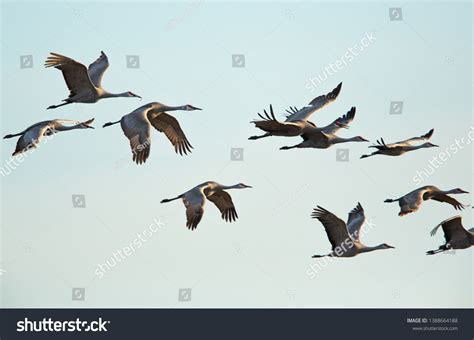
(226, 187)
(368, 249)
(415, 147)
(65, 128)
(114, 95)
(173, 108)
(345, 140)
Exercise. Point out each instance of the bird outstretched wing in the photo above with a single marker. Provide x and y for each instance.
(194, 202)
(223, 202)
(171, 128)
(381, 145)
(316, 104)
(336, 229)
(452, 228)
(31, 138)
(97, 68)
(269, 123)
(355, 221)
(450, 200)
(137, 131)
(341, 122)
(421, 138)
(75, 74)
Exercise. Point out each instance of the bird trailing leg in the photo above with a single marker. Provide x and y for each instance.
(166, 200)
(56, 106)
(289, 147)
(319, 256)
(436, 251)
(110, 123)
(258, 137)
(372, 154)
(14, 135)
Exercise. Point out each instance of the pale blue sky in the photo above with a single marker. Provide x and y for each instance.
(48, 247)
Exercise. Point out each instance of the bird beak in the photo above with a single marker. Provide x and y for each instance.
(197, 108)
(136, 95)
(464, 192)
(391, 247)
(87, 123)
(248, 186)
(365, 140)
(436, 146)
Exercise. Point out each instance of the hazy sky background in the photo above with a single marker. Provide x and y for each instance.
(185, 51)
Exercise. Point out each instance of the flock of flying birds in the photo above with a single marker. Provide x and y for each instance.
(85, 86)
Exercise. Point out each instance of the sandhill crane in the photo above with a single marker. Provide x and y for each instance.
(456, 236)
(84, 84)
(344, 237)
(323, 138)
(296, 122)
(137, 128)
(32, 136)
(399, 148)
(411, 202)
(195, 199)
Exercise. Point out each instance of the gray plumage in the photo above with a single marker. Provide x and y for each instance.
(411, 202)
(345, 238)
(84, 84)
(399, 148)
(137, 128)
(195, 199)
(32, 136)
(455, 235)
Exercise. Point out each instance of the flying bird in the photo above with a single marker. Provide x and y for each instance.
(344, 237)
(411, 202)
(32, 136)
(399, 148)
(325, 137)
(296, 121)
(84, 84)
(456, 236)
(195, 199)
(137, 128)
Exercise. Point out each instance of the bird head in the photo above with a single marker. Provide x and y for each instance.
(131, 94)
(430, 145)
(386, 246)
(243, 186)
(189, 107)
(361, 139)
(87, 124)
(459, 191)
